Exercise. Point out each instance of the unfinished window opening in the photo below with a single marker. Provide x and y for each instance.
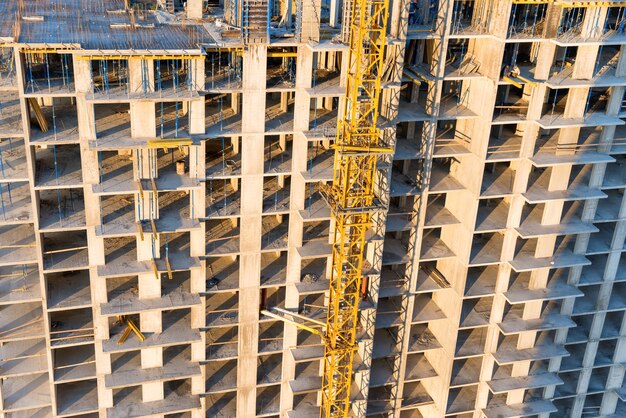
(222, 309)
(466, 372)
(77, 397)
(13, 159)
(320, 158)
(222, 343)
(578, 24)
(117, 213)
(498, 180)
(74, 363)
(412, 100)
(460, 58)
(109, 77)
(223, 69)
(461, 400)
(71, 327)
(174, 76)
(471, 17)
(222, 273)
(221, 376)
(313, 276)
(313, 306)
(222, 236)
(269, 369)
(479, 281)
(505, 142)
(222, 404)
(393, 281)
(389, 312)
(58, 166)
(120, 289)
(68, 289)
(612, 323)
(174, 252)
(223, 198)
(617, 302)
(527, 20)
(268, 401)
(549, 147)
(605, 353)
(271, 297)
(7, 68)
(112, 123)
(172, 119)
(492, 214)
(175, 389)
(18, 244)
(323, 113)
(277, 154)
(223, 157)
(223, 114)
(63, 208)
(65, 250)
(307, 377)
(279, 107)
(118, 251)
(395, 250)
(471, 342)
(429, 278)
(409, 138)
(486, 248)
(476, 312)
(422, 339)
(326, 71)
(48, 72)
(455, 98)
(273, 268)
(281, 68)
(511, 105)
(451, 139)
(276, 193)
(53, 119)
(274, 232)
(271, 336)
(174, 210)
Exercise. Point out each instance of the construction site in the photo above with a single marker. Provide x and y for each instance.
(312, 208)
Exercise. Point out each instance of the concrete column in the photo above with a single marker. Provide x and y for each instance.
(252, 164)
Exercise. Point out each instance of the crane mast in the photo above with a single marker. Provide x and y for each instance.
(351, 196)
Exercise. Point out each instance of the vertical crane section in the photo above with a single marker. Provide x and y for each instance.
(358, 147)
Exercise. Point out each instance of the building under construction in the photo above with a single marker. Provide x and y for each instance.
(174, 243)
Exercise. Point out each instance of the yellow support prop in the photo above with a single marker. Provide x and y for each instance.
(124, 336)
(135, 329)
(169, 143)
(155, 270)
(154, 229)
(169, 269)
(140, 229)
(512, 82)
(140, 188)
(279, 54)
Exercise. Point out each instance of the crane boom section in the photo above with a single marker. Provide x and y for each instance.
(351, 196)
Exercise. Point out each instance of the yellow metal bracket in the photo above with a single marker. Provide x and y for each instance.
(130, 327)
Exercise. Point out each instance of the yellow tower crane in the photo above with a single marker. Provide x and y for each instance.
(351, 197)
(358, 146)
